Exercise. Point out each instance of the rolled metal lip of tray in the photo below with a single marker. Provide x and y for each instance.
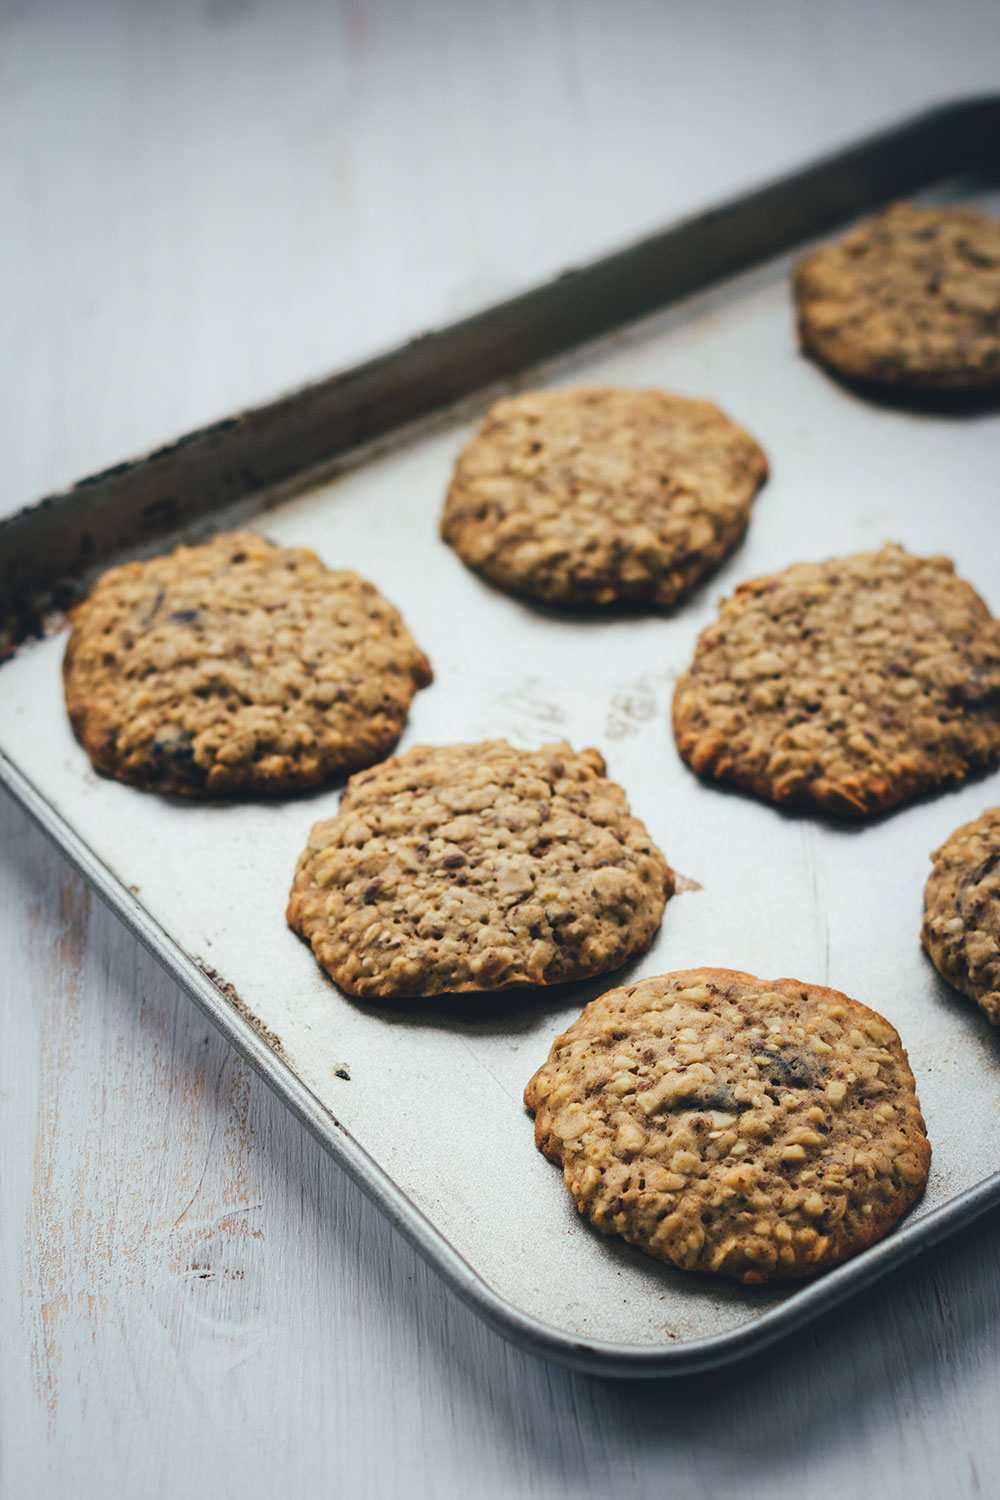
(422, 1107)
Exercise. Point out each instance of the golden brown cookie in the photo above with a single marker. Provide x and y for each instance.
(760, 1129)
(601, 496)
(478, 867)
(237, 666)
(910, 298)
(847, 686)
(961, 927)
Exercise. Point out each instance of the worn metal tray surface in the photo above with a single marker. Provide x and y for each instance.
(423, 1106)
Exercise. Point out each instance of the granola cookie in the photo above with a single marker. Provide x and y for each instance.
(761, 1129)
(237, 666)
(601, 496)
(477, 867)
(846, 686)
(910, 298)
(961, 927)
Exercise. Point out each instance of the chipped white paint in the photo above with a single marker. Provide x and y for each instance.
(206, 204)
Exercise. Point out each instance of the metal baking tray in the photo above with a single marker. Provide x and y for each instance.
(423, 1106)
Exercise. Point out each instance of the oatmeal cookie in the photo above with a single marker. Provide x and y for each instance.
(961, 927)
(911, 298)
(846, 686)
(601, 496)
(760, 1129)
(237, 666)
(478, 867)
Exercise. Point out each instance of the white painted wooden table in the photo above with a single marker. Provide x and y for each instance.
(204, 205)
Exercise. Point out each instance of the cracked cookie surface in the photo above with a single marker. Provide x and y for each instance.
(237, 666)
(961, 926)
(759, 1129)
(846, 686)
(911, 298)
(477, 867)
(600, 496)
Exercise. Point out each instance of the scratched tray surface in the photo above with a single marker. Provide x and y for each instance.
(435, 1098)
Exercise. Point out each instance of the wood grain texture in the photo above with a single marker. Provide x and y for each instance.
(206, 204)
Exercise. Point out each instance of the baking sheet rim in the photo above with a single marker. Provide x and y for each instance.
(599, 1357)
